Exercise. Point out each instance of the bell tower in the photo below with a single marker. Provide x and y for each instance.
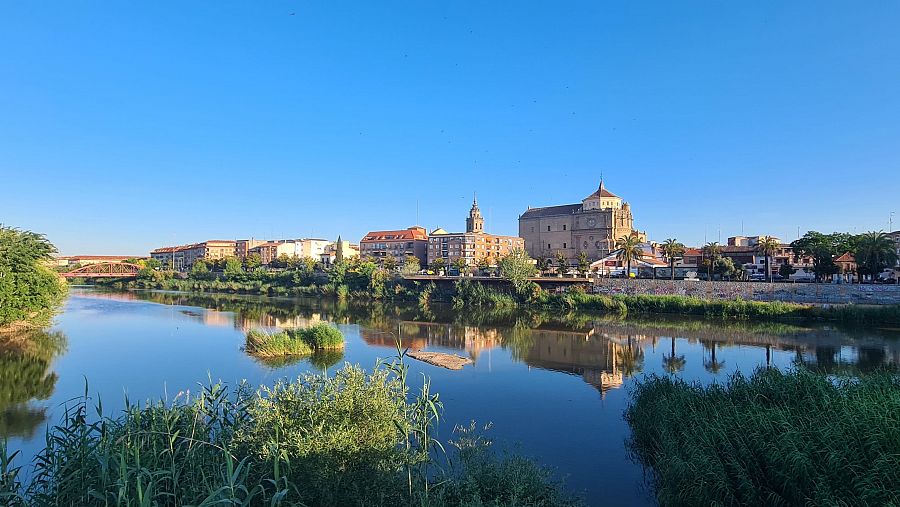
(475, 222)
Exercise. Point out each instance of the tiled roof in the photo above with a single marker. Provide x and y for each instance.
(400, 235)
(847, 257)
(602, 192)
(551, 211)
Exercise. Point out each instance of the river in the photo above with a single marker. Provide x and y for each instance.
(553, 387)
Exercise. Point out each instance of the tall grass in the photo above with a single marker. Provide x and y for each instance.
(354, 438)
(294, 342)
(776, 438)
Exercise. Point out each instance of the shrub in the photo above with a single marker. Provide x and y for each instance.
(775, 438)
(30, 291)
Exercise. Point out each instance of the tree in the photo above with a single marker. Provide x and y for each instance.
(199, 271)
(767, 246)
(822, 248)
(711, 251)
(233, 268)
(339, 250)
(542, 264)
(484, 263)
(874, 252)
(29, 290)
(517, 267)
(562, 263)
(389, 262)
(673, 363)
(460, 265)
(438, 264)
(629, 249)
(410, 266)
(673, 250)
(723, 266)
(786, 270)
(252, 261)
(584, 265)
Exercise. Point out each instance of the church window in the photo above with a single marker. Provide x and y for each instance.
(564, 226)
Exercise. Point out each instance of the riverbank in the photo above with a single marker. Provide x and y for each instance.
(776, 438)
(466, 293)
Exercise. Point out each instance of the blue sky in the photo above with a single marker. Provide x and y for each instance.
(126, 126)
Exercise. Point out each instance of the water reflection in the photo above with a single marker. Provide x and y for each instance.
(26, 376)
(603, 352)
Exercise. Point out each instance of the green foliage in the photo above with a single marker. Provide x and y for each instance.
(823, 248)
(584, 265)
(786, 270)
(234, 269)
(474, 294)
(517, 267)
(349, 439)
(199, 271)
(794, 438)
(30, 291)
(629, 248)
(673, 250)
(438, 264)
(733, 308)
(293, 342)
(562, 262)
(251, 262)
(874, 252)
(411, 265)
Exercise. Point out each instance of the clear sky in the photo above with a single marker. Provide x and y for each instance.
(130, 125)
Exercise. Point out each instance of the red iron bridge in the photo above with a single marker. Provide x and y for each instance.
(105, 270)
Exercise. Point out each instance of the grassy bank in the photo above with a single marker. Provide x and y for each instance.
(776, 438)
(294, 342)
(469, 294)
(354, 438)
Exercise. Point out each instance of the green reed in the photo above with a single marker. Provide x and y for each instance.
(351, 438)
(294, 342)
(775, 438)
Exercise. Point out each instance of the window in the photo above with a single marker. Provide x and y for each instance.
(564, 245)
(548, 228)
(548, 246)
(564, 226)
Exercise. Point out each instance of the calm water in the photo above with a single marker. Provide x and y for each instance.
(554, 387)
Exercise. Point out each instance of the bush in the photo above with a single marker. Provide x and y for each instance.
(776, 438)
(30, 291)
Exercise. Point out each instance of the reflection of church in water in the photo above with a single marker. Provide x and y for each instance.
(598, 360)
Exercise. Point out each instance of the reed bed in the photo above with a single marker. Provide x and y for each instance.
(294, 342)
(354, 438)
(775, 438)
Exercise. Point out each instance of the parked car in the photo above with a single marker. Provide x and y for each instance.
(757, 277)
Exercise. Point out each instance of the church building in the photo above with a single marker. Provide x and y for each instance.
(472, 245)
(591, 226)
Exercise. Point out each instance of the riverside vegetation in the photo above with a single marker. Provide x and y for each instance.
(294, 342)
(775, 438)
(365, 280)
(354, 438)
(30, 292)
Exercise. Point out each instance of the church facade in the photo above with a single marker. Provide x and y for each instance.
(591, 226)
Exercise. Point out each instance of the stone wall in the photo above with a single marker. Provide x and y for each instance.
(757, 291)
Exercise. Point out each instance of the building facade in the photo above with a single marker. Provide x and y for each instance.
(309, 248)
(181, 258)
(399, 244)
(472, 245)
(593, 226)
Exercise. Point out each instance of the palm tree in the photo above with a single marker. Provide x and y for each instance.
(713, 366)
(673, 250)
(711, 251)
(874, 252)
(672, 363)
(630, 358)
(629, 249)
(768, 246)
